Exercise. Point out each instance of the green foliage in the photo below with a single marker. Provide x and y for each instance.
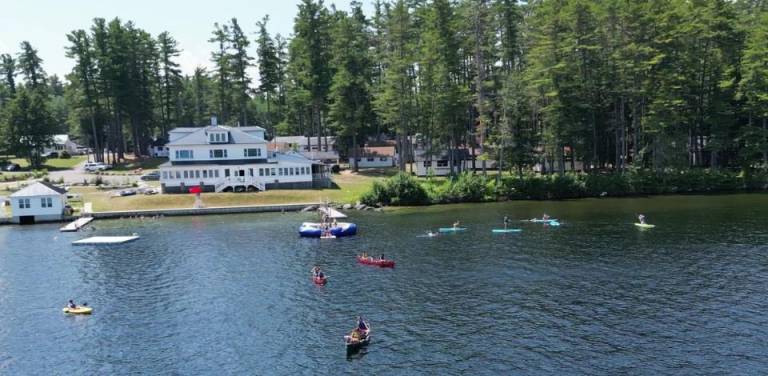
(401, 189)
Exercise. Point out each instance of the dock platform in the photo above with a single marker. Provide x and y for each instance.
(77, 224)
(106, 240)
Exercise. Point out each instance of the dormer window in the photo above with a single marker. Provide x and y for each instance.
(218, 137)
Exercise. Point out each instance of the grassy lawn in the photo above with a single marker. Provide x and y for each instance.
(52, 164)
(134, 164)
(349, 188)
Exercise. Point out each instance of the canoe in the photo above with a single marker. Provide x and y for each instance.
(505, 230)
(380, 263)
(320, 281)
(354, 345)
(644, 225)
(451, 229)
(81, 310)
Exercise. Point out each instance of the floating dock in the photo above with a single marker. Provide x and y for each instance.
(331, 212)
(105, 240)
(77, 224)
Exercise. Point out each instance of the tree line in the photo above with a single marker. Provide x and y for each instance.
(606, 84)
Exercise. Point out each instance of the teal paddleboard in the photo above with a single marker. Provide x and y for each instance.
(505, 230)
(452, 229)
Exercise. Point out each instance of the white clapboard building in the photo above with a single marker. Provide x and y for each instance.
(220, 158)
(38, 202)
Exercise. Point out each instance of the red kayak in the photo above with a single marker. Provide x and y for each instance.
(376, 262)
(320, 281)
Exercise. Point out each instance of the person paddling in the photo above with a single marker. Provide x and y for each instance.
(641, 218)
(71, 304)
(506, 222)
(316, 271)
(456, 224)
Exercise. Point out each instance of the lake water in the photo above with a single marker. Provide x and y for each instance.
(233, 295)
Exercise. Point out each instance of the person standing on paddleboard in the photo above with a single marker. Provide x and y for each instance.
(641, 218)
(506, 222)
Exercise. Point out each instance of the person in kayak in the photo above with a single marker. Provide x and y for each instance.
(71, 304)
(381, 257)
(320, 274)
(641, 218)
(316, 271)
(361, 326)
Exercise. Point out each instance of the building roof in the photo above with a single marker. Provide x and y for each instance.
(60, 139)
(378, 151)
(302, 140)
(199, 136)
(293, 157)
(39, 189)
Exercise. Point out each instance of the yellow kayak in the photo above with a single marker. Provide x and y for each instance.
(644, 225)
(78, 311)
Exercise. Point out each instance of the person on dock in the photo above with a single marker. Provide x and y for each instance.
(506, 222)
(641, 218)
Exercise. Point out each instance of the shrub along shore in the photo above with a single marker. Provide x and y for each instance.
(404, 189)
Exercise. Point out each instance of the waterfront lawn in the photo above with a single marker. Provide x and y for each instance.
(53, 164)
(349, 188)
(133, 164)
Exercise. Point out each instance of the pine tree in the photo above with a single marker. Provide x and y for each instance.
(31, 67)
(223, 71)
(239, 61)
(269, 65)
(350, 97)
(170, 81)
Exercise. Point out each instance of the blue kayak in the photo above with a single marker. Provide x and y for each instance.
(451, 229)
(505, 230)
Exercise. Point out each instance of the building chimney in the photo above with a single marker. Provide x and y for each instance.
(214, 121)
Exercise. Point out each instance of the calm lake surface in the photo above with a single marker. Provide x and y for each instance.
(233, 295)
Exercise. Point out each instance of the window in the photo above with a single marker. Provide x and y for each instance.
(165, 174)
(370, 159)
(252, 153)
(184, 154)
(250, 172)
(273, 171)
(24, 203)
(427, 163)
(383, 159)
(280, 171)
(205, 174)
(442, 163)
(261, 172)
(186, 174)
(197, 174)
(178, 174)
(46, 202)
(216, 172)
(217, 153)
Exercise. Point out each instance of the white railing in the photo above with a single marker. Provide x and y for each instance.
(243, 181)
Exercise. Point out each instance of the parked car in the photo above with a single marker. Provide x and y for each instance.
(154, 175)
(51, 154)
(96, 166)
(12, 167)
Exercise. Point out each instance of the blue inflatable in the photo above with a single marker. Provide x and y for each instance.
(314, 230)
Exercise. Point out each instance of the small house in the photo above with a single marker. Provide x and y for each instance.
(440, 165)
(375, 157)
(157, 148)
(62, 143)
(324, 151)
(38, 202)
